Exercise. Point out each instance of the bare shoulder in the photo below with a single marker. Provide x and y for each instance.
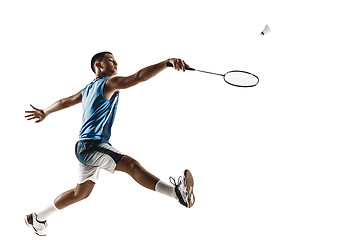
(118, 82)
(113, 84)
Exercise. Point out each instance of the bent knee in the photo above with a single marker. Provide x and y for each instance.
(83, 191)
(81, 195)
(134, 165)
(85, 195)
(128, 165)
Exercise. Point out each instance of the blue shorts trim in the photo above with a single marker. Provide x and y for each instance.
(84, 149)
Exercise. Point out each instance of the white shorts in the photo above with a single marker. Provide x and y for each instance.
(94, 156)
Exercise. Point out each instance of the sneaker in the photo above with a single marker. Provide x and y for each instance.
(38, 226)
(184, 189)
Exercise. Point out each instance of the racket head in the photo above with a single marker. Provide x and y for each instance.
(239, 78)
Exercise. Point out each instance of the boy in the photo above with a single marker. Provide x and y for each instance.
(93, 150)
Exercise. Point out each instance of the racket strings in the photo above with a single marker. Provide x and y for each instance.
(241, 79)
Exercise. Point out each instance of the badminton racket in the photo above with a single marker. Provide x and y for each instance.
(235, 78)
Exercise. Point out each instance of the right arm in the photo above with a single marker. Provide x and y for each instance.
(41, 114)
(115, 83)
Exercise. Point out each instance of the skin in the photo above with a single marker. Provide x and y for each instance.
(107, 68)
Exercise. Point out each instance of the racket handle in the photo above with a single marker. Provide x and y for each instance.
(169, 64)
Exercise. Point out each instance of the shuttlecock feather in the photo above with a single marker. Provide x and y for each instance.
(266, 30)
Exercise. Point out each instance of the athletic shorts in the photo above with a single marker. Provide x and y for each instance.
(93, 156)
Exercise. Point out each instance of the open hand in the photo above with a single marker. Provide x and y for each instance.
(35, 114)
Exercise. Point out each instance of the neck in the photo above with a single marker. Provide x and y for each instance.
(100, 75)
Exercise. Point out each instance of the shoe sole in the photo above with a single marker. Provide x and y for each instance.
(26, 222)
(29, 225)
(189, 185)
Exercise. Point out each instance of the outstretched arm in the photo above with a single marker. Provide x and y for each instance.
(41, 114)
(142, 75)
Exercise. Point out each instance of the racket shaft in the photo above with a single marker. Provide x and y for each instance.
(210, 72)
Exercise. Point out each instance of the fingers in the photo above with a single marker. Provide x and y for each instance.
(183, 65)
(186, 66)
(30, 114)
(36, 114)
(34, 108)
(31, 118)
(179, 64)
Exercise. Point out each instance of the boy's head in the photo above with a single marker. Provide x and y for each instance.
(104, 62)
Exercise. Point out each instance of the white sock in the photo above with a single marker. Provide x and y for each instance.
(166, 189)
(46, 212)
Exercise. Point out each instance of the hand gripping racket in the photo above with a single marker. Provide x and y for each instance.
(235, 78)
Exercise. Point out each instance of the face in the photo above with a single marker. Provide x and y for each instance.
(108, 65)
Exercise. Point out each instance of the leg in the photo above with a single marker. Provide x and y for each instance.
(80, 192)
(181, 191)
(38, 220)
(137, 172)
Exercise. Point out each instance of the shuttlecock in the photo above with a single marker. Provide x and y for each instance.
(266, 30)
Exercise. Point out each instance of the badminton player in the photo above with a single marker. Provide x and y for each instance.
(99, 101)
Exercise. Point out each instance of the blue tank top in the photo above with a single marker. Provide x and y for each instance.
(99, 113)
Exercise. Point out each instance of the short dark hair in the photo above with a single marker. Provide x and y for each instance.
(98, 57)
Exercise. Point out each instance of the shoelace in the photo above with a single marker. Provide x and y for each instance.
(189, 195)
(173, 181)
(181, 181)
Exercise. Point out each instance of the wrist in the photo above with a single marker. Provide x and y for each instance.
(46, 112)
(168, 63)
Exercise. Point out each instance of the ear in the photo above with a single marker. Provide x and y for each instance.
(97, 65)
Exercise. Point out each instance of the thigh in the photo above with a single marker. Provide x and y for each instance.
(104, 155)
(87, 173)
(137, 172)
(125, 164)
(95, 158)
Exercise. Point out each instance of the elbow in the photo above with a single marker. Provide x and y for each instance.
(135, 79)
(139, 77)
(64, 103)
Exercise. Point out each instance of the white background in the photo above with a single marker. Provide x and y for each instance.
(278, 161)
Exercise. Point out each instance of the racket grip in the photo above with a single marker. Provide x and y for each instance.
(169, 64)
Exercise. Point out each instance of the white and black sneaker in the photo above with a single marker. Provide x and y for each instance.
(38, 226)
(184, 189)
